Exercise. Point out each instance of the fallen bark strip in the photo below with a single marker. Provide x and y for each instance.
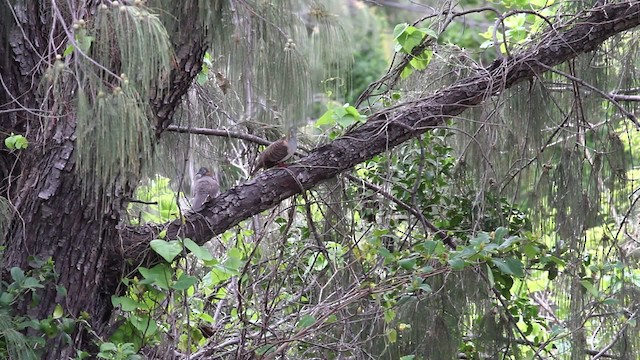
(392, 127)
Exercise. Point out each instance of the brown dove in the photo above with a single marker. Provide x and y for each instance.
(278, 152)
(205, 188)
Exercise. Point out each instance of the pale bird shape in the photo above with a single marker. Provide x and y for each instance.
(205, 188)
(278, 152)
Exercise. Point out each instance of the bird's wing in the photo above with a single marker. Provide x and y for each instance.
(204, 189)
(274, 153)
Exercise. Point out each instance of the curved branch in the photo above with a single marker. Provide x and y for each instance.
(392, 127)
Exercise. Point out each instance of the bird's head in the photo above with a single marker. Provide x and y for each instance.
(204, 172)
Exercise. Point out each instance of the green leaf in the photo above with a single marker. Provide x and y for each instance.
(17, 274)
(327, 119)
(406, 72)
(126, 303)
(407, 264)
(144, 324)
(198, 251)
(83, 40)
(590, 288)
(480, 239)
(159, 275)
(167, 249)
(531, 250)
(393, 336)
(610, 302)
(421, 61)
(16, 142)
(184, 282)
(508, 242)
(509, 266)
(426, 288)
(218, 274)
(457, 264)
(305, 321)
(389, 315)
(234, 259)
(108, 346)
(32, 283)
(399, 30)
(430, 32)
(58, 311)
(6, 299)
(68, 51)
(386, 254)
(500, 234)
(492, 281)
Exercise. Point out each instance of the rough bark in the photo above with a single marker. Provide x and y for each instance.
(53, 220)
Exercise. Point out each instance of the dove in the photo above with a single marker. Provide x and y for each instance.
(205, 188)
(278, 152)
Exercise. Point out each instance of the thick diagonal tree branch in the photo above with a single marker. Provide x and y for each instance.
(391, 127)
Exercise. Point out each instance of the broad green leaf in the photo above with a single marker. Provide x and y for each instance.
(327, 119)
(500, 234)
(426, 288)
(389, 315)
(305, 321)
(492, 281)
(184, 282)
(159, 275)
(16, 142)
(126, 303)
(399, 30)
(144, 324)
(610, 302)
(108, 346)
(531, 250)
(58, 311)
(6, 299)
(198, 251)
(167, 249)
(218, 274)
(32, 283)
(83, 40)
(393, 336)
(590, 288)
(509, 266)
(234, 259)
(68, 51)
(406, 72)
(17, 274)
(508, 242)
(407, 264)
(457, 263)
(384, 252)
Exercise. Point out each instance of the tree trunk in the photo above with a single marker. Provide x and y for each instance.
(53, 219)
(55, 224)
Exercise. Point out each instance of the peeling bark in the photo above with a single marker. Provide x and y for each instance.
(53, 220)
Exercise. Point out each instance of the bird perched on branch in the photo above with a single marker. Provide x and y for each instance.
(278, 152)
(205, 188)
